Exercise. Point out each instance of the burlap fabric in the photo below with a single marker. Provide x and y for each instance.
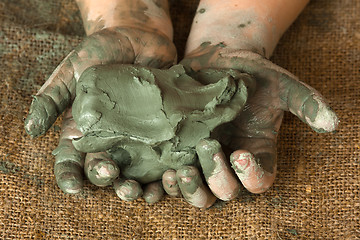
(315, 196)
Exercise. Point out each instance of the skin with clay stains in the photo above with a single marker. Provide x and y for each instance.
(153, 192)
(218, 174)
(248, 34)
(120, 31)
(132, 32)
(254, 25)
(97, 15)
(69, 162)
(100, 169)
(127, 190)
(193, 188)
(170, 184)
(243, 40)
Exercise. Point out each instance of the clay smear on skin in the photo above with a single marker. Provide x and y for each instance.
(158, 18)
(169, 178)
(56, 73)
(325, 119)
(253, 33)
(170, 184)
(103, 172)
(123, 192)
(199, 198)
(222, 182)
(153, 192)
(126, 191)
(95, 12)
(249, 171)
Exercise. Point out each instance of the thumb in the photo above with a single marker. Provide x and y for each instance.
(308, 105)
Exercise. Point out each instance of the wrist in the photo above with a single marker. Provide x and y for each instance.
(253, 25)
(146, 14)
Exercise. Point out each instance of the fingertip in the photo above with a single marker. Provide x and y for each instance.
(127, 190)
(70, 182)
(251, 174)
(100, 171)
(69, 176)
(219, 177)
(153, 192)
(186, 173)
(42, 115)
(193, 188)
(170, 184)
(309, 106)
(319, 115)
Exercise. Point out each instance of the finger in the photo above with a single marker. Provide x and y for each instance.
(193, 188)
(69, 162)
(250, 172)
(170, 184)
(58, 91)
(307, 104)
(218, 174)
(100, 169)
(153, 192)
(52, 99)
(127, 190)
(295, 96)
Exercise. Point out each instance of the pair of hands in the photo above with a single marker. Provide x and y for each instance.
(252, 134)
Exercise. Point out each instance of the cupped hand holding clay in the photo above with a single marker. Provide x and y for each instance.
(120, 31)
(236, 34)
(151, 120)
(240, 34)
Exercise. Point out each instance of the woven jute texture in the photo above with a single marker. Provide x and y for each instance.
(316, 193)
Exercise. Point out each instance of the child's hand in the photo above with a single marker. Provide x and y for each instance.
(111, 45)
(252, 136)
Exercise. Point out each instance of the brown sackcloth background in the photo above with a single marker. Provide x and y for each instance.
(316, 193)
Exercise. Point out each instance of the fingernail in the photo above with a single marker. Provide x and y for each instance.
(123, 192)
(128, 190)
(169, 178)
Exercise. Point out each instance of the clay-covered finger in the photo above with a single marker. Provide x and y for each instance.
(52, 99)
(69, 162)
(170, 184)
(153, 192)
(127, 190)
(295, 96)
(192, 187)
(250, 172)
(59, 90)
(100, 169)
(308, 105)
(218, 173)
